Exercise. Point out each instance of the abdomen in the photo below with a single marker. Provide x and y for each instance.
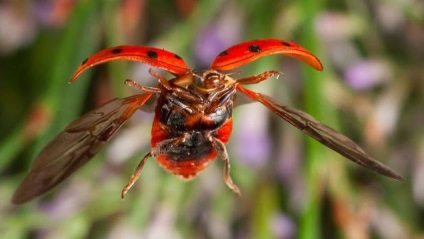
(188, 158)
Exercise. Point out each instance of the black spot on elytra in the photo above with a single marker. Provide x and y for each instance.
(177, 56)
(116, 51)
(254, 48)
(285, 43)
(84, 61)
(224, 53)
(152, 54)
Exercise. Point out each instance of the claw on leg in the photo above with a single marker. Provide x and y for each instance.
(135, 175)
(227, 178)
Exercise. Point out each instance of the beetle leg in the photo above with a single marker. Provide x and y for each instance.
(162, 80)
(160, 148)
(222, 153)
(135, 175)
(258, 78)
(142, 88)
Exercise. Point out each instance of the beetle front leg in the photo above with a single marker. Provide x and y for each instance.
(258, 78)
(142, 88)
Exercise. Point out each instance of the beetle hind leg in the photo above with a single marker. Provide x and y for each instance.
(222, 153)
(135, 175)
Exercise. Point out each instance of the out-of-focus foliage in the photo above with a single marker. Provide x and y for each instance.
(371, 89)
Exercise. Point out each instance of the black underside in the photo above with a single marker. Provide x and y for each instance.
(194, 147)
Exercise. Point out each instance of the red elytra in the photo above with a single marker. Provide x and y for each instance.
(193, 117)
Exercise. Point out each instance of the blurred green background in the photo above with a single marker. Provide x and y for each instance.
(371, 89)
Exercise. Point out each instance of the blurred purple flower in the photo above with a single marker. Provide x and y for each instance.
(208, 44)
(253, 143)
(283, 227)
(218, 35)
(41, 12)
(53, 14)
(19, 22)
(253, 148)
(367, 74)
(337, 26)
(69, 201)
(289, 159)
(17, 28)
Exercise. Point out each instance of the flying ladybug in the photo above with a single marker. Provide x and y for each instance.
(193, 116)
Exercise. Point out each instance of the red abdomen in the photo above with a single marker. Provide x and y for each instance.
(187, 157)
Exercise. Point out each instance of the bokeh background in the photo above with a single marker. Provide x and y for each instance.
(371, 89)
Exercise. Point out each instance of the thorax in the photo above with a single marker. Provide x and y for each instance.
(192, 103)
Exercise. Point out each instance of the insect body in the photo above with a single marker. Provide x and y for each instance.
(193, 117)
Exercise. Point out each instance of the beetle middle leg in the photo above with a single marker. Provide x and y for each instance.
(161, 148)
